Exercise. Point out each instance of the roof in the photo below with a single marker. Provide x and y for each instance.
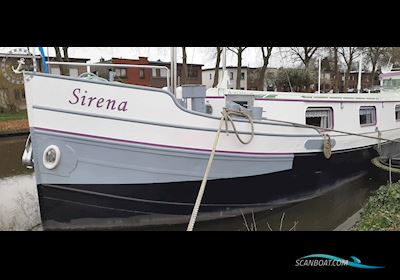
(52, 58)
(235, 67)
(159, 62)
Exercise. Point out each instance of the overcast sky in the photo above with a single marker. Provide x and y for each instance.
(203, 55)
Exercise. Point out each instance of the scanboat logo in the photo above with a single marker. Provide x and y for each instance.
(12, 66)
(329, 260)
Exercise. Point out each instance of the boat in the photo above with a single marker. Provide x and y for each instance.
(109, 155)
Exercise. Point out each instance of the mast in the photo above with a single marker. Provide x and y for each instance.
(173, 70)
(319, 75)
(223, 60)
(359, 75)
(223, 81)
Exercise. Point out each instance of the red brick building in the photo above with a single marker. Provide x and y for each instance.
(146, 76)
(134, 76)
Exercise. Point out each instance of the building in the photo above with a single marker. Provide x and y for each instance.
(73, 71)
(147, 76)
(134, 76)
(328, 80)
(249, 77)
(208, 77)
(159, 76)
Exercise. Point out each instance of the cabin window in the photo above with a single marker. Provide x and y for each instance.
(231, 75)
(321, 117)
(397, 112)
(242, 76)
(367, 115)
(391, 83)
(210, 76)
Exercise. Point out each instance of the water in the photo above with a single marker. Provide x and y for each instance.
(19, 208)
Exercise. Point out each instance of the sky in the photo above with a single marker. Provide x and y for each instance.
(203, 55)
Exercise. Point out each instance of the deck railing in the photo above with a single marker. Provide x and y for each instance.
(113, 65)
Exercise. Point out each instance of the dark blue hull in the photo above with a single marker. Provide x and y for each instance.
(109, 206)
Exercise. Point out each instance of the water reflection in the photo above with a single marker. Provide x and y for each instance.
(19, 208)
(19, 203)
(11, 149)
(325, 212)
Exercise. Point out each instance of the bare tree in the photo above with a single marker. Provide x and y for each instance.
(266, 57)
(216, 73)
(375, 55)
(349, 54)
(239, 52)
(65, 52)
(303, 54)
(184, 72)
(63, 69)
(333, 53)
(393, 53)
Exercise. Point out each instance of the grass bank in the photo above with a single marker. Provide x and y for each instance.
(11, 123)
(22, 115)
(382, 211)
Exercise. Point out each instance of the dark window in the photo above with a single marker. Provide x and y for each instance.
(193, 74)
(321, 117)
(242, 76)
(397, 112)
(242, 103)
(210, 76)
(141, 73)
(231, 75)
(367, 115)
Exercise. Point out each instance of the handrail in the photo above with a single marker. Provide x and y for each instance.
(114, 65)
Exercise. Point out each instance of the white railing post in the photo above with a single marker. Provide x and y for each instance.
(319, 75)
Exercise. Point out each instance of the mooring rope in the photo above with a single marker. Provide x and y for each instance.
(225, 118)
(376, 161)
